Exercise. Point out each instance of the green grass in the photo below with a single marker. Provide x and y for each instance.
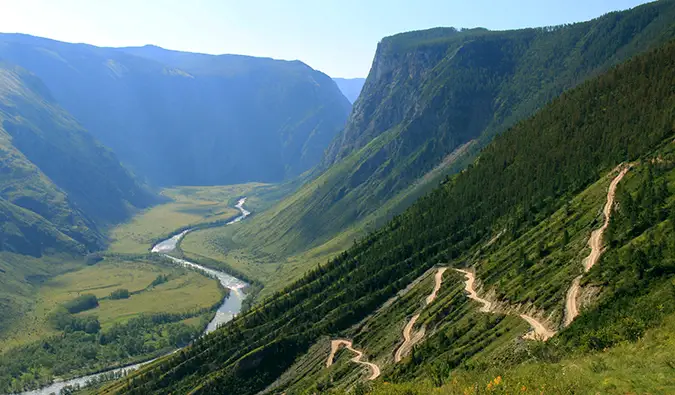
(185, 291)
(20, 279)
(225, 246)
(187, 206)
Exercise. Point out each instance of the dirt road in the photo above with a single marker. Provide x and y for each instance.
(595, 242)
(438, 280)
(410, 338)
(335, 346)
(539, 331)
(470, 288)
(571, 311)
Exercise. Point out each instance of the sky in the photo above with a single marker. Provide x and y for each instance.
(338, 37)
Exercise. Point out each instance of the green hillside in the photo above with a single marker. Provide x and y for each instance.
(518, 216)
(178, 118)
(59, 186)
(432, 99)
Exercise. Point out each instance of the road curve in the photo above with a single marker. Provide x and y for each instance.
(539, 331)
(410, 339)
(595, 242)
(470, 288)
(335, 346)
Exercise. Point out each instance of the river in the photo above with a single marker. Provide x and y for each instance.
(227, 310)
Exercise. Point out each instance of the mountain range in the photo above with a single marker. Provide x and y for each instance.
(177, 118)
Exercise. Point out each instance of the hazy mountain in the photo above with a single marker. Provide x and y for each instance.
(350, 87)
(184, 118)
(58, 185)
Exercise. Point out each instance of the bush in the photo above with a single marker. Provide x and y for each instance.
(81, 303)
(161, 279)
(61, 319)
(120, 294)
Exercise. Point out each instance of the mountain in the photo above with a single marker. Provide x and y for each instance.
(59, 186)
(432, 99)
(190, 119)
(350, 87)
(520, 218)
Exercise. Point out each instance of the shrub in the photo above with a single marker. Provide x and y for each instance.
(81, 303)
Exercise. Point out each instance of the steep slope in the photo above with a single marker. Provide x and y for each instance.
(350, 87)
(190, 119)
(431, 100)
(545, 172)
(59, 186)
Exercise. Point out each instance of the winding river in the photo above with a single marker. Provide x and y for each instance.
(230, 307)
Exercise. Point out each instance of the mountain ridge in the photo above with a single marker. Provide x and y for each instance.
(432, 99)
(173, 117)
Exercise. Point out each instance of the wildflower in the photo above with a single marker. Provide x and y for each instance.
(523, 388)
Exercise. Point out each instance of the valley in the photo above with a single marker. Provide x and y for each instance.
(488, 211)
(231, 304)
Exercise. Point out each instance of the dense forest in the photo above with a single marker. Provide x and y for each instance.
(521, 178)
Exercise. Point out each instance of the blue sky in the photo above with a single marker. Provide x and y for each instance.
(338, 37)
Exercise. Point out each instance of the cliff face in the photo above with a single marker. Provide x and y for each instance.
(431, 94)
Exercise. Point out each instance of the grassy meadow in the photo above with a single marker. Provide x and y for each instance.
(186, 206)
(184, 290)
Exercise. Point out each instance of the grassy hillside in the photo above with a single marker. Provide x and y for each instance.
(431, 101)
(179, 118)
(520, 180)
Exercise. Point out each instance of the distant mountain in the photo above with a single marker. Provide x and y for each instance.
(58, 186)
(190, 119)
(350, 87)
(432, 99)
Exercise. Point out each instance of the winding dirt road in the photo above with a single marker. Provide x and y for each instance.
(539, 331)
(410, 338)
(469, 286)
(595, 242)
(335, 346)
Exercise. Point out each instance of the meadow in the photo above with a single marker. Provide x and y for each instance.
(183, 291)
